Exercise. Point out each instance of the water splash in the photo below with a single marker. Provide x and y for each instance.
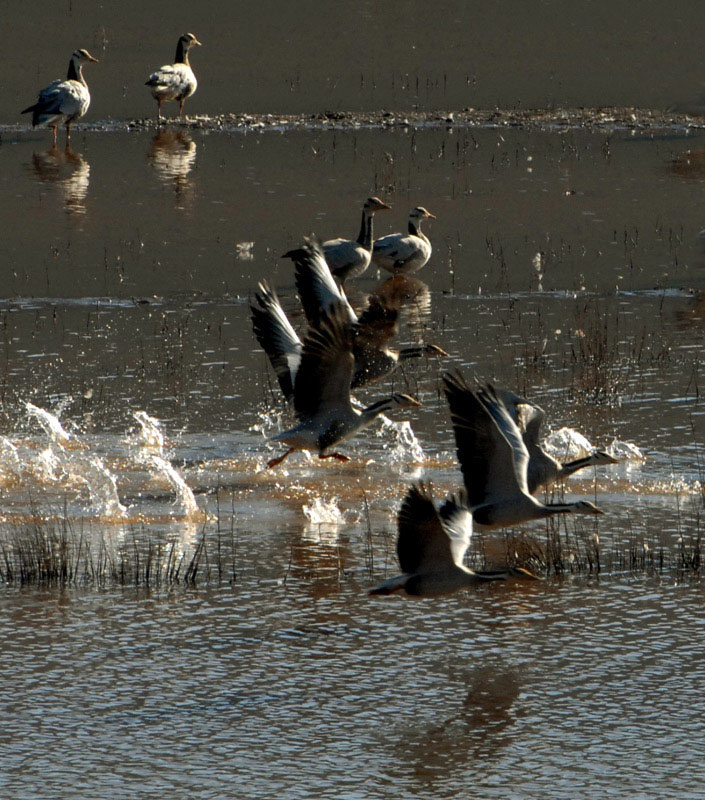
(150, 437)
(184, 496)
(10, 465)
(322, 512)
(567, 444)
(625, 451)
(101, 484)
(402, 444)
(50, 423)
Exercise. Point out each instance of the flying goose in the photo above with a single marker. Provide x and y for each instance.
(431, 545)
(322, 391)
(175, 81)
(404, 252)
(63, 102)
(347, 258)
(373, 329)
(544, 469)
(494, 459)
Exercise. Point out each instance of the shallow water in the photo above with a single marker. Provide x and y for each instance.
(567, 266)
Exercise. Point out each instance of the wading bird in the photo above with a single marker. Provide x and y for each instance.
(174, 81)
(494, 459)
(322, 400)
(402, 253)
(431, 545)
(347, 258)
(63, 102)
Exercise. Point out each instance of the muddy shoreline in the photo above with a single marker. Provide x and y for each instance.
(628, 118)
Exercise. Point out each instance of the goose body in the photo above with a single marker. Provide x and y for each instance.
(349, 258)
(373, 329)
(543, 469)
(63, 102)
(494, 460)
(431, 545)
(402, 253)
(322, 400)
(175, 81)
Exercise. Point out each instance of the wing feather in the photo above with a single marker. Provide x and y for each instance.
(422, 544)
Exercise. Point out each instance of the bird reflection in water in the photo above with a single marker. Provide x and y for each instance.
(471, 735)
(69, 171)
(172, 153)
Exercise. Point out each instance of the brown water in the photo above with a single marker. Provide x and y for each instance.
(566, 265)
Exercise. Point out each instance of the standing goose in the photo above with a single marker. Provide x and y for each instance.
(431, 546)
(544, 469)
(401, 253)
(494, 460)
(322, 391)
(347, 258)
(373, 329)
(63, 102)
(175, 81)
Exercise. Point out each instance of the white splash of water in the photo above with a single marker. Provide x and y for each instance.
(402, 444)
(322, 512)
(184, 495)
(10, 466)
(567, 444)
(150, 437)
(101, 484)
(50, 423)
(625, 451)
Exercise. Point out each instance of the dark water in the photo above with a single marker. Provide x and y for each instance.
(310, 57)
(566, 265)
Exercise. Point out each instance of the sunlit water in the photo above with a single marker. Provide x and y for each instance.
(136, 408)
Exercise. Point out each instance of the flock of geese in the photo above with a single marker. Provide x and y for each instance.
(497, 432)
(64, 102)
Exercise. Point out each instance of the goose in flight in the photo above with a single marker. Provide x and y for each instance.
(347, 258)
(544, 469)
(63, 102)
(321, 391)
(374, 328)
(402, 253)
(494, 459)
(431, 545)
(174, 81)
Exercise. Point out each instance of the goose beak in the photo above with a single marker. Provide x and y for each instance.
(429, 214)
(195, 41)
(90, 58)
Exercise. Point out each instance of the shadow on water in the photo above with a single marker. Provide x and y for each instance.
(69, 171)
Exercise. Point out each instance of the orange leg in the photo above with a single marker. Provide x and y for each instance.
(159, 111)
(339, 456)
(274, 461)
(68, 132)
(181, 109)
(54, 131)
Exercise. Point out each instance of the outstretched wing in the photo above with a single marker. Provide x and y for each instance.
(316, 286)
(276, 337)
(422, 543)
(323, 380)
(486, 456)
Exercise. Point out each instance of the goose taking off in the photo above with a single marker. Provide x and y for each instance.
(373, 329)
(63, 102)
(431, 545)
(347, 258)
(175, 81)
(544, 469)
(322, 391)
(402, 253)
(494, 459)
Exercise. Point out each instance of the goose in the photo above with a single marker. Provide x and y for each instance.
(402, 253)
(174, 81)
(374, 328)
(431, 545)
(322, 399)
(544, 469)
(63, 102)
(347, 258)
(494, 459)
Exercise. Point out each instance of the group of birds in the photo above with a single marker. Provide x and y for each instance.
(63, 102)
(497, 432)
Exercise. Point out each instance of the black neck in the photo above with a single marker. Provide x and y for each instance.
(413, 228)
(364, 238)
(181, 53)
(75, 73)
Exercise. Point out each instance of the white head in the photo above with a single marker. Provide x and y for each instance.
(420, 213)
(82, 56)
(373, 204)
(189, 40)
